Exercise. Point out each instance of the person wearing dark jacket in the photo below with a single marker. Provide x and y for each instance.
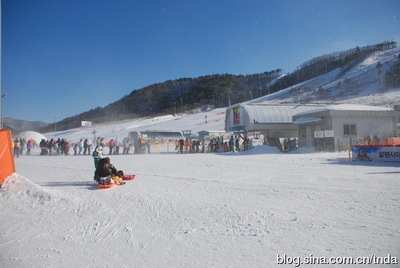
(106, 173)
(43, 147)
(85, 146)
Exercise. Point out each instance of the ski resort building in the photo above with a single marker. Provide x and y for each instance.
(273, 121)
(324, 127)
(333, 127)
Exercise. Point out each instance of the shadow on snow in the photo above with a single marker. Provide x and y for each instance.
(90, 185)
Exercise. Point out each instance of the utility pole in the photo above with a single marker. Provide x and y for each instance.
(181, 105)
(55, 126)
(174, 108)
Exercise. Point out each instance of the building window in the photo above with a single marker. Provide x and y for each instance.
(350, 130)
(302, 132)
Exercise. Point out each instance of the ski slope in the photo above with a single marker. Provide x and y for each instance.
(198, 210)
(195, 122)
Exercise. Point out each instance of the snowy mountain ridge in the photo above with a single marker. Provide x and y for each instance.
(22, 125)
(364, 81)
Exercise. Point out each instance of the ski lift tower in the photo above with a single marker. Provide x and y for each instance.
(94, 134)
(187, 133)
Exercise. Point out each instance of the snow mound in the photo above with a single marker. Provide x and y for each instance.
(303, 150)
(17, 187)
(30, 135)
(262, 149)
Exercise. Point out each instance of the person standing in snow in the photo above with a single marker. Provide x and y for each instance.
(98, 154)
(117, 144)
(75, 148)
(245, 144)
(85, 146)
(231, 144)
(22, 145)
(17, 144)
(125, 144)
(181, 144)
(111, 145)
(43, 147)
(61, 145)
(29, 146)
(89, 146)
(148, 146)
(187, 145)
(66, 148)
(237, 144)
(250, 144)
(80, 146)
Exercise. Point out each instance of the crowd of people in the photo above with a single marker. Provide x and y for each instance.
(83, 146)
(65, 147)
(139, 146)
(214, 145)
(19, 145)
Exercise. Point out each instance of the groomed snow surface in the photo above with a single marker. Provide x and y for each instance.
(199, 210)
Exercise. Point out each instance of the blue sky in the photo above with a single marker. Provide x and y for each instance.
(64, 57)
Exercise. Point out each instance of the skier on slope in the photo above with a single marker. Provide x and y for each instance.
(106, 173)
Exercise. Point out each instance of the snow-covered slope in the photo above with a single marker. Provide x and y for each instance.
(198, 210)
(362, 84)
(195, 122)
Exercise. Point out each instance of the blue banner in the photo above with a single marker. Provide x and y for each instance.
(376, 153)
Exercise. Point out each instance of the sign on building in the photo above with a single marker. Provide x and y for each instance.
(318, 134)
(236, 116)
(86, 123)
(323, 134)
(329, 134)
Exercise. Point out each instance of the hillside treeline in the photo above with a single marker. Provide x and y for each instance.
(177, 96)
(392, 77)
(329, 62)
(221, 90)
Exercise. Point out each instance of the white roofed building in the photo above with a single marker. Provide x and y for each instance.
(333, 127)
(324, 127)
(275, 121)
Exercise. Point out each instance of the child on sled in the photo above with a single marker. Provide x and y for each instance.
(106, 173)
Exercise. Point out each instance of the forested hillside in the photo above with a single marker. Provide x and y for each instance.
(222, 90)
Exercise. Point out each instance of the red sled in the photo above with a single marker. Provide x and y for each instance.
(128, 177)
(107, 185)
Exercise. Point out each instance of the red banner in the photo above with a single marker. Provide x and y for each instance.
(7, 166)
(236, 116)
